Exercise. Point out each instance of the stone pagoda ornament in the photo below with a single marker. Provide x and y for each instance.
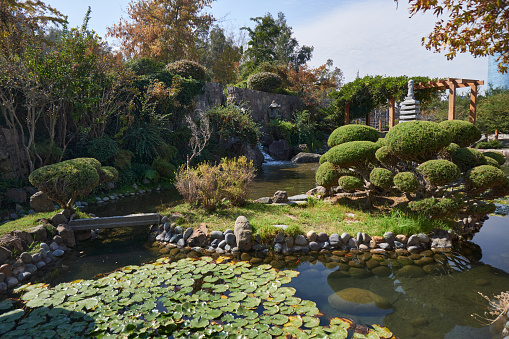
(410, 108)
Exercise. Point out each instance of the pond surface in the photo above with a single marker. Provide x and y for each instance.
(428, 306)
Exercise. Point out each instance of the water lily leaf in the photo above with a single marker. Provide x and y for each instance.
(228, 318)
(288, 291)
(342, 322)
(278, 297)
(263, 294)
(198, 323)
(271, 310)
(38, 302)
(6, 304)
(307, 310)
(240, 322)
(275, 331)
(279, 319)
(250, 333)
(294, 321)
(310, 322)
(249, 287)
(213, 314)
(210, 278)
(291, 274)
(251, 302)
(12, 315)
(285, 280)
(294, 332)
(237, 296)
(286, 310)
(292, 301)
(186, 282)
(220, 288)
(383, 332)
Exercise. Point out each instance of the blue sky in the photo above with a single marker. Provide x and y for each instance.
(366, 36)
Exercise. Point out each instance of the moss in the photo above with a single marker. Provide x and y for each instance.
(327, 175)
(462, 132)
(349, 182)
(484, 177)
(439, 172)
(406, 182)
(415, 140)
(187, 69)
(381, 177)
(349, 133)
(467, 158)
(265, 82)
(353, 153)
(499, 157)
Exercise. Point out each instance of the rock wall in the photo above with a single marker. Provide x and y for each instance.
(10, 166)
(213, 96)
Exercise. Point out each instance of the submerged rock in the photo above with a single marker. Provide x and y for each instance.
(359, 301)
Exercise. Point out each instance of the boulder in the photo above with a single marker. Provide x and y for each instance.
(254, 154)
(5, 254)
(243, 233)
(318, 190)
(358, 301)
(304, 157)
(38, 233)
(40, 202)
(67, 235)
(264, 200)
(25, 237)
(82, 235)
(58, 219)
(17, 195)
(279, 150)
(280, 197)
(199, 236)
(6, 270)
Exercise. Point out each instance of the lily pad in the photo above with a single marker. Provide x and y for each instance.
(310, 322)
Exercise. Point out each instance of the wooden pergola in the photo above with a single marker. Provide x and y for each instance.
(450, 83)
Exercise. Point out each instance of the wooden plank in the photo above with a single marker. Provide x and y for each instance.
(392, 108)
(473, 104)
(118, 221)
(452, 102)
(347, 113)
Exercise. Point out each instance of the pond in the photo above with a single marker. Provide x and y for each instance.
(438, 305)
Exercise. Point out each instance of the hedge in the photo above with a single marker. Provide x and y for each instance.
(187, 69)
(353, 153)
(265, 82)
(352, 133)
(439, 172)
(381, 177)
(406, 182)
(462, 132)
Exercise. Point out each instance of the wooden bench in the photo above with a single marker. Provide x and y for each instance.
(145, 219)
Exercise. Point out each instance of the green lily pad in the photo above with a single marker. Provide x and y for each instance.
(288, 291)
(198, 323)
(279, 319)
(220, 288)
(382, 332)
(271, 310)
(310, 322)
(275, 331)
(295, 321)
(237, 296)
(251, 302)
(12, 315)
(6, 304)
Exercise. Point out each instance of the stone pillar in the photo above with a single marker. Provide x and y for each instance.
(410, 108)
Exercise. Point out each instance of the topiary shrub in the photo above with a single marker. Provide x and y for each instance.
(492, 162)
(164, 168)
(406, 182)
(462, 132)
(348, 133)
(439, 172)
(435, 208)
(467, 158)
(417, 140)
(381, 177)
(188, 69)
(499, 157)
(386, 157)
(323, 158)
(484, 177)
(481, 208)
(327, 175)
(380, 142)
(351, 153)
(265, 82)
(349, 182)
(63, 182)
(489, 144)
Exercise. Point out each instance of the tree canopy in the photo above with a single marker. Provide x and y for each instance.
(480, 27)
(165, 30)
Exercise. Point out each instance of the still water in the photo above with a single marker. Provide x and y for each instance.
(436, 305)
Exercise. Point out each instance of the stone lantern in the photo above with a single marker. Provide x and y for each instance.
(274, 110)
(410, 108)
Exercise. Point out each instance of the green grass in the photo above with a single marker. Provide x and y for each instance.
(25, 223)
(318, 216)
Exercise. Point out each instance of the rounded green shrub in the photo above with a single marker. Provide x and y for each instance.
(467, 158)
(380, 142)
(187, 69)
(323, 158)
(164, 167)
(348, 133)
(145, 66)
(492, 162)
(435, 208)
(484, 177)
(406, 182)
(439, 172)
(381, 177)
(327, 175)
(349, 182)
(481, 208)
(63, 182)
(107, 174)
(265, 82)
(449, 150)
(462, 132)
(103, 149)
(489, 144)
(385, 156)
(417, 139)
(353, 153)
(499, 157)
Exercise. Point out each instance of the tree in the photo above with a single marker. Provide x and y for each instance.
(165, 30)
(480, 27)
(271, 40)
(493, 113)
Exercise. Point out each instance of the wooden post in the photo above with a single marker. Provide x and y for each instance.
(473, 103)
(368, 119)
(380, 125)
(392, 108)
(347, 113)
(496, 134)
(452, 101)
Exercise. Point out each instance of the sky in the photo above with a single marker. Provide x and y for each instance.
(371, 37)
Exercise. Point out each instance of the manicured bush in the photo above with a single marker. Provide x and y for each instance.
(63, 182)
(351, 153)
(489, 144)
(435, 208)
(499, 157)
(165, 169)
(484, 177)
(348, 133)
(406, 182)
(323, 158)
(349, 182)
(187, 69)
(327, 175)
(380, 142)
(265, 82)
(386, 157)
(417, 140)
(381, 177)
(462, 132)
(481, 208)
(449, 150)
(439, 172)
(467, 158)
(492, 162)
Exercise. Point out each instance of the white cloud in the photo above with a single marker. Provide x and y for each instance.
(372, 37)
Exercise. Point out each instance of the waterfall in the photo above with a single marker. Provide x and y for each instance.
(268, 160)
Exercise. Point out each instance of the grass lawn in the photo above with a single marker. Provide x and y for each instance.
(319, 216)
(25, 223)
